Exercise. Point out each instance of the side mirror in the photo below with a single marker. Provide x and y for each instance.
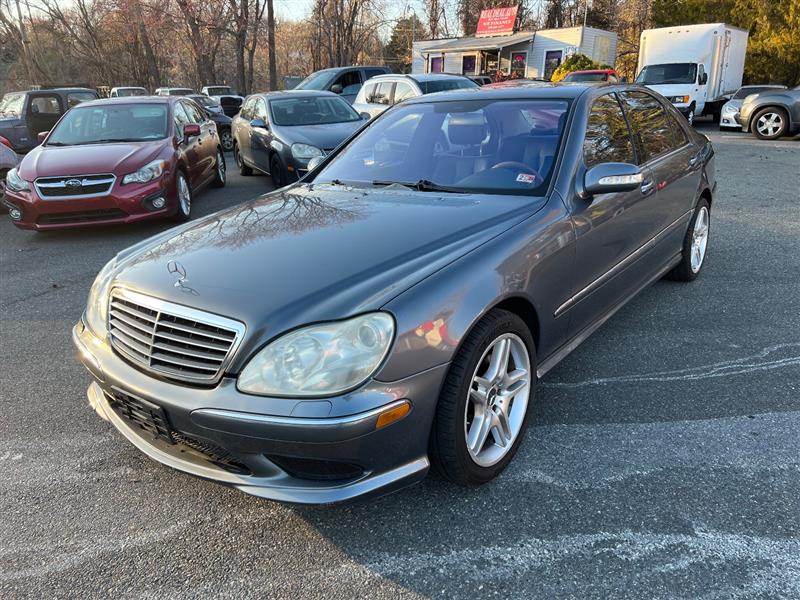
(336, 88)
(703, 78)
(190, 130)
(365, 116)
(610, 177)
(42, 135)
(315, 162)
(258, 123)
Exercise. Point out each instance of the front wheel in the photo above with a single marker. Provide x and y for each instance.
(483, 407)
(237, 156)
(219, 171)
(695, 244)
(770, 124)
(226, 139)
(690, 115)
(277, 172)
(184, 194)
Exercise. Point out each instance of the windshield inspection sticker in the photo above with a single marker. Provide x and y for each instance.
(526, 178)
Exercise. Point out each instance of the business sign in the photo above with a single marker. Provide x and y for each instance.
(497, 21)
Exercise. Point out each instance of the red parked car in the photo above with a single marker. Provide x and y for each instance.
(117, 160)
(609, 75)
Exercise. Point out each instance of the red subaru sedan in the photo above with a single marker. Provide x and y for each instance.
(117, 160)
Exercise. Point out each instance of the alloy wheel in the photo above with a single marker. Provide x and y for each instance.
(769, 124)
(226, 139)
(699, 239)
(220, 166)
(184, 196)
(498, 400)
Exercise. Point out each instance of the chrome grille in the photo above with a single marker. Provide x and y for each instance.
(170, 339)
(77, 186)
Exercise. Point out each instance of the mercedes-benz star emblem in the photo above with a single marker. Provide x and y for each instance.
(178, 270)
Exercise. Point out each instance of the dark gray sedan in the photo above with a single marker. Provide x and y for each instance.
(771, 115)
(396, 308)
(280, 132)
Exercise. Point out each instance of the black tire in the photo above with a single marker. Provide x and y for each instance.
(237, 156)
(448, 444)
(690, 115)
(183, 212)
(684, 270)
(226, 139)
(775, 113)
(277, 172)
(220, 170)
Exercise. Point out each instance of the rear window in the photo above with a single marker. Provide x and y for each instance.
(75, 98)
(586, 77)
(11, 105)
(444, 85)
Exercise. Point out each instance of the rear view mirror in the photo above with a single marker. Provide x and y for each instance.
(42, 135)
(607, 178)
(191, 130)
(336, 88)
(315, 162)
(258, 123)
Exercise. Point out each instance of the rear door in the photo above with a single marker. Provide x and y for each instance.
(610, 228)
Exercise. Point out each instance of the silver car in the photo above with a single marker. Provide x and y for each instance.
(383, 91)
(730, 110)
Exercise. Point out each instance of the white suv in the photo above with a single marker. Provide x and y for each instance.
(383, 91)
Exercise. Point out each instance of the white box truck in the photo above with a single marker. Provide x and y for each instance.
(697, 67)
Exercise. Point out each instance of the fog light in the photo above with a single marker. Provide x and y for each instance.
(159, 203)
(393, 414)
(15, 214)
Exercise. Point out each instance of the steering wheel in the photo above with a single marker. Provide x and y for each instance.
(512, 164)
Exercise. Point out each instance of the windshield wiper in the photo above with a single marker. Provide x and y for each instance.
(109, 140)
(423, 185)
(58, 144)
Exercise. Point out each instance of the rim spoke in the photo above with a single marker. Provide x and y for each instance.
(498, 364)
(481, 425)
(501, 432)
(478, 396)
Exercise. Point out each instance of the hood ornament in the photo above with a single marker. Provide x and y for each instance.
(178, 270)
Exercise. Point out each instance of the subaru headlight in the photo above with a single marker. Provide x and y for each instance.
(16, 183)
(320, 360)
(305, 151)
(147, 173)
(96, 314)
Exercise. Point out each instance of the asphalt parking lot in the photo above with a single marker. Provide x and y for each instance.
(663, 459)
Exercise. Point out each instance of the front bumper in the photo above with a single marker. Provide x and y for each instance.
(304, 460)
(124, 204)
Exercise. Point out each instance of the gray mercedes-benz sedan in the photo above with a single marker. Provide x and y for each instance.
(396, 307)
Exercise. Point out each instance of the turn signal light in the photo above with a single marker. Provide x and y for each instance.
(393, 414)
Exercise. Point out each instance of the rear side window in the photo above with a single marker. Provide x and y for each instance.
(607, 136)
(381, 93)
(45, 105)
(402, 91)
(650, 125)
(678, 133)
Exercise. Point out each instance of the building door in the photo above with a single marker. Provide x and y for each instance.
(437, 64)
(519, 61)
(468, 64)
(552, 60)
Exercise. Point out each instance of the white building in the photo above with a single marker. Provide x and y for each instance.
(533, 54)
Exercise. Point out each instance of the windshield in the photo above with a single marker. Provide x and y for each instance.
(754, 89)
(205, 101)
(672, 73)
(11, 105)
(586, 77)
(444, 85)
(482, 146)
(125, 92)
(316, 81)
(320, 110)
(179, 92)
(111, 123)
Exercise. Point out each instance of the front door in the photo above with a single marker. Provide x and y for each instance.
(552, 60)
(206, 144)
(260, 137)
(44, 110)
(609, 228)
(189, 147)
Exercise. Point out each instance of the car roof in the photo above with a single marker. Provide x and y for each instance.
(58, 89)
(420, 77)
(593, 71)
(523, 90)
(133, 100)
(293, 94)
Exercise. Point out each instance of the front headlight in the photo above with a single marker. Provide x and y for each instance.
(147, 173)
(16, 183)
(305, 152)
(320, 360)
(680, 99)
(96, 313)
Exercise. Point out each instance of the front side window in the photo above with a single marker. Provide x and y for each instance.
(316, 81)
(260, 110)
(607, 136)
(649, 123)
(45, 105)
(110, 123)
(350, 82)
(482, 146)
(11, 105)
(248, 108)
(194, 114)
(181, 119)
(320, 110)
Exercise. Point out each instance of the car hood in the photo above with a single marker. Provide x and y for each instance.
(732, 105)
(52, 161)
(314, 253)
(326, 137)
(673, 89)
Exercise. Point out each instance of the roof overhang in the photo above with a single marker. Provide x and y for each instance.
(473, 43)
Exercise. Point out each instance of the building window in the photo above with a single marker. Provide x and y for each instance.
(519, 61)
(437, 64)
(552, 60)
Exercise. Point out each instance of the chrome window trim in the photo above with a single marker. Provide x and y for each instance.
(632, 257)
(185, 312)
(109, 178)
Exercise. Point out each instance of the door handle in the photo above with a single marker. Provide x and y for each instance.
(693, 160)
(647, 185)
